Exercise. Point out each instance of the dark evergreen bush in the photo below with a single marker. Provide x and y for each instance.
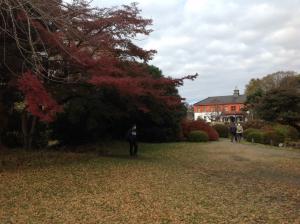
(104, 114)
(12, 139)
(198, 136)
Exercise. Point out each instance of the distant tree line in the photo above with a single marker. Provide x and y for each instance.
(275, 98)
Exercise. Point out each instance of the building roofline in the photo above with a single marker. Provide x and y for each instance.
(208, 104)
(220, 103)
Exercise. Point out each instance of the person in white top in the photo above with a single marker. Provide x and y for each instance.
(239, 132)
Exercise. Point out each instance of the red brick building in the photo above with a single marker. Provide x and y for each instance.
(221, 108)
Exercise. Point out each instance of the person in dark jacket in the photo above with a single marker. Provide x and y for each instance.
(132, 139)
(232, 131)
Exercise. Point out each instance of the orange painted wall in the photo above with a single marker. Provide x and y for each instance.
(219, 108)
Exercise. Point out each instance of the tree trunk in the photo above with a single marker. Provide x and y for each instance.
(28, 128)
(32, 129)
(24, 129)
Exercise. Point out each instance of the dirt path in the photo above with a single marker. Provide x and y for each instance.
(253, 153)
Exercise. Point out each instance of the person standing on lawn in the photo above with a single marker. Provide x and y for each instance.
(232, 131)
(132, 140)
(239, 132)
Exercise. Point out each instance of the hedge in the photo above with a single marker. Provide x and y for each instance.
(272, 138)
(198, 136)
(255, 136)
(287, 131)
(189, 126)
(248, 131)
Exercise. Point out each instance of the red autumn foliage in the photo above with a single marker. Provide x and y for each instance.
(188, 126)
(38, 101)
(82, 45)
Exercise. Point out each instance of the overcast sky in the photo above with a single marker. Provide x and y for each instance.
(227, 42)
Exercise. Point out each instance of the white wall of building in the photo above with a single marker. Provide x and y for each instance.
(203, 115)
(208, 115)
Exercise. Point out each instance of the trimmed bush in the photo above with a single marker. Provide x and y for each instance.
(199, 125)
(255, 136)
(272, 138)
(287, 131)
(198, 136)
(222, 130)
(248, 131)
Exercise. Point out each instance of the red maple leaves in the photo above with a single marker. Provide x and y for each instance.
(80, 44)
(38, 101)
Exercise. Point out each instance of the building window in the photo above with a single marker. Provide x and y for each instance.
(204, 109)
(233, 108)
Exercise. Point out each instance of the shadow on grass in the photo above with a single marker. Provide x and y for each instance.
(20, 159)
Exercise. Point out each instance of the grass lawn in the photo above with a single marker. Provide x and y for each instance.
(216, 182)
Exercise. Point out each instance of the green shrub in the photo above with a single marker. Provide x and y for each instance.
(248, 131)
(222, 130)
(198, 136)
(287, 131)
(272, 137)
(255, 136)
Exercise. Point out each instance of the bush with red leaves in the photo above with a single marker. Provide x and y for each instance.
(188, 126)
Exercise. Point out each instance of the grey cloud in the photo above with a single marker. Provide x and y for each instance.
(227, 42)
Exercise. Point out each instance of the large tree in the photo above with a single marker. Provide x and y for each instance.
(50, 45)
(280, 105)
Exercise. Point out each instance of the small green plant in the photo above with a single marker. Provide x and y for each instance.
(222, 130)
(255, 136)
(198, 136)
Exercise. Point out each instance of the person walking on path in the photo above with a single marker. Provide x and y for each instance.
(232, 131)
(239, 132)
(132, 139)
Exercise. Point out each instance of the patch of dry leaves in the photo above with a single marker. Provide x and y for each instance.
(169, 183)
